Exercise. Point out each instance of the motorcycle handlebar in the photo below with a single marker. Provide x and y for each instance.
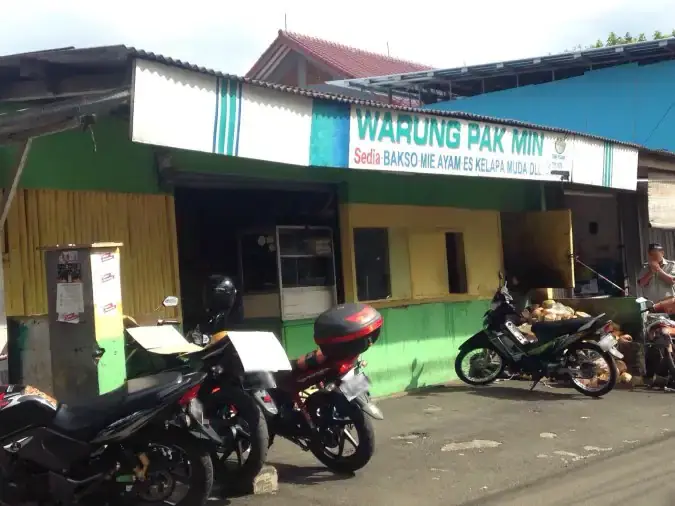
(167, 322)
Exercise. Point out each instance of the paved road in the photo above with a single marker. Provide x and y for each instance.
(499, 445)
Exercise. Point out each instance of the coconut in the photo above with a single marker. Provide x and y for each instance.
(538, 314)
(621, 366)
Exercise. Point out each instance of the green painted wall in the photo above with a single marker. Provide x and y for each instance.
(68, 161)
(417, 346)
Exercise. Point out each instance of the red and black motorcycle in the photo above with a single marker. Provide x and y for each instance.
(324, 403)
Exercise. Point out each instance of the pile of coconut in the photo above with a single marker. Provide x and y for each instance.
(547, 311)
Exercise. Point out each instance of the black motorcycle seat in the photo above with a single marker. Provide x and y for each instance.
(83, 420)
(547, 331)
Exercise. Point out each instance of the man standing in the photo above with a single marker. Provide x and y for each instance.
(658, 277)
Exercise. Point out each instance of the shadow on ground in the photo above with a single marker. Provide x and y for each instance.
(504, 391)
(306, 475)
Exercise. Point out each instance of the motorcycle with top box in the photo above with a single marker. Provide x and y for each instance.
(326, 394)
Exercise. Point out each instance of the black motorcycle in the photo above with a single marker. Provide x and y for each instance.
(565, 348)
(129, 446)
(232, 400)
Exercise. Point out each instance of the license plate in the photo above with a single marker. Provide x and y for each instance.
(354, 386)
(607, 343)
(196, 410)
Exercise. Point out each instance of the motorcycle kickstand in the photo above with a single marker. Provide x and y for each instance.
(541, 380)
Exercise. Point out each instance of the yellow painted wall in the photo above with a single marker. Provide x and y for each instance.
(417, 249)
(145, 224)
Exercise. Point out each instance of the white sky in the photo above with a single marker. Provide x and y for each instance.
(229, 35)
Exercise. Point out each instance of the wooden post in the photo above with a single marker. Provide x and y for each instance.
(13, 179)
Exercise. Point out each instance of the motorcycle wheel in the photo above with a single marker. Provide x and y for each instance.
(333, 415)
(233, 408)
(612, 374)
(468, 378)
(163, 483)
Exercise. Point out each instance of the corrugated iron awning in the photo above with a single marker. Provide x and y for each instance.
(661, 201)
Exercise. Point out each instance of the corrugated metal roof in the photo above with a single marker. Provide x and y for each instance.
(594, 57)
(139, 53)
(96, 56)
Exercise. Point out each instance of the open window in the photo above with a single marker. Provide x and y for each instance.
(372, 265)
(456, 262)
(538, 248)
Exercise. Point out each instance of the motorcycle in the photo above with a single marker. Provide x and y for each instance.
(232, 393)
(325, 394)
(659, 332)
(129, 446)
(563, 348)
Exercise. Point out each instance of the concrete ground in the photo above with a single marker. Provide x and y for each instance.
(499, 445)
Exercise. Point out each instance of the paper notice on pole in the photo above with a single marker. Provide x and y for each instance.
(68, 317)
(69, 298)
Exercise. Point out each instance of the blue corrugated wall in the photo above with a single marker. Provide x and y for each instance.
(629, 103)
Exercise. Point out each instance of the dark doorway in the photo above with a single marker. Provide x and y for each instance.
(229, 231)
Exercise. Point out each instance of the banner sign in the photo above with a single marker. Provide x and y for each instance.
(401, 141)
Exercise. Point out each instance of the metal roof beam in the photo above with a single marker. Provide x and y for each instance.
(48, 88)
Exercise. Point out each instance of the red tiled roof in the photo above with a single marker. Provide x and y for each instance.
(349, 61)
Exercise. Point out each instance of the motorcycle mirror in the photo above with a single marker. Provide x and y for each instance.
(170, 301)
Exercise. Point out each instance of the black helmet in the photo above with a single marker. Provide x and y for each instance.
(220, 293)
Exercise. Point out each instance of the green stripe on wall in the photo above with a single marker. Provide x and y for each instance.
(227, 117)
(222, 123)
(232, 116)
(605, 164)
(610, 165)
